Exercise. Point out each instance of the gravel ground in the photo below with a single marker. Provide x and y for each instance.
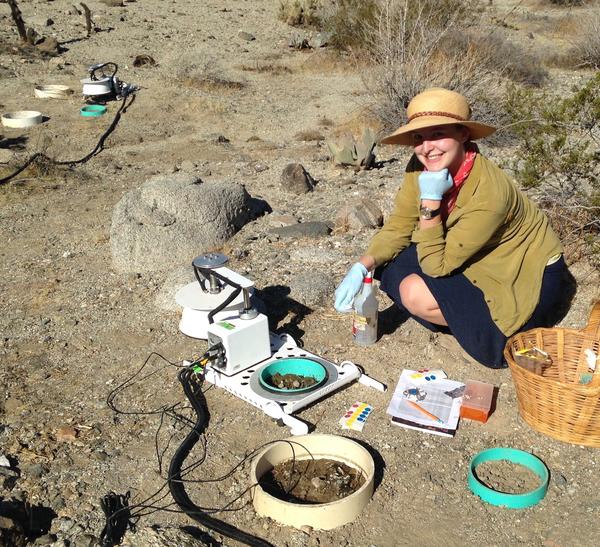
(73, 329)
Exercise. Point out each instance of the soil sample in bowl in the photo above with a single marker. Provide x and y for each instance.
(508, 477)
(312, 481)
(292, 381)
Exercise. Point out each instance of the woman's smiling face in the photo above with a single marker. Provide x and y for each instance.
(441, 146)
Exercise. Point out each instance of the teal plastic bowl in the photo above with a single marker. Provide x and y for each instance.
(293, 365)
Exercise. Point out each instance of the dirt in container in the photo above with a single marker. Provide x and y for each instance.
(312, 481)
(292, 381)
(508, 477)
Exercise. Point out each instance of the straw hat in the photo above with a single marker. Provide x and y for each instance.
(437, 106)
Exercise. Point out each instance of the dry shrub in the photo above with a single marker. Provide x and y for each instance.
(309, 135)
(566, 3)
(355, 124)
(586, 44)
(497, 54)
(269, 68)
(325, 122)
(407, 45)
(327, 61)
(206, 77)
(211, 83)
(347, 21)
(299, 13)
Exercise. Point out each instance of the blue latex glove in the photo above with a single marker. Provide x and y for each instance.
(434, 184)
(349, 287)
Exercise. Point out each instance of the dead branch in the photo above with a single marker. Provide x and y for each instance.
(88, 18)
(18, 19)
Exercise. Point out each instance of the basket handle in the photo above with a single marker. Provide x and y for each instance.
(593, 326)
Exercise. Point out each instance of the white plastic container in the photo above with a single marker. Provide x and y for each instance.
(366, 310)
(320, 516)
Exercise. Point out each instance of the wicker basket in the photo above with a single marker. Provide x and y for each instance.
(557, 402)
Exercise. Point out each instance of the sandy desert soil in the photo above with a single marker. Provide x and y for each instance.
(73, 328)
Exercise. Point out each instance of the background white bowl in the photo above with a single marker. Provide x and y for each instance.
(22, 118)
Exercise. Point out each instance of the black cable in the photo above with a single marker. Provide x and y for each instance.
(98, 148)
(118, 518)
(192, 380)
(176, 485)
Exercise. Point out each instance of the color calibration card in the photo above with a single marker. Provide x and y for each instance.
(355, 416)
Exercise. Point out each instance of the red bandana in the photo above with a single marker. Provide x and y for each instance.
(449, 199)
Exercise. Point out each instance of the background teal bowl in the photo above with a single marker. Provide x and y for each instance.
(293, 365)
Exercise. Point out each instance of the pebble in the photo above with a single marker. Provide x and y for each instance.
(66, 433)
(246, 36)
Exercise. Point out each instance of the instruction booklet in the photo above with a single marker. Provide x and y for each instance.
(426, 400)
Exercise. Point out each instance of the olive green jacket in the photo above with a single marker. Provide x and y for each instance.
(495, 235)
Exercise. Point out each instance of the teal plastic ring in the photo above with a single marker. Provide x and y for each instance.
(92, 110)
(503, 499)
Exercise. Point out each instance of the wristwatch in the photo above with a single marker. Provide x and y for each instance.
(428, 213)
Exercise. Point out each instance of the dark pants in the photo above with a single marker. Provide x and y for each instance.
(463, 305)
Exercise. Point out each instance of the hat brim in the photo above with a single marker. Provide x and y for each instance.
(402, 135)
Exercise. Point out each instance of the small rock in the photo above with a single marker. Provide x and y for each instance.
(187, 165)
(56, 62)
(363, 213)
(320, 39)
(312, 287)
(112, 3)
(304, 229)
(46, 539)
(4, 461)
(560, 480)
(40, 21)
(66, 433)
(48, 44)
(11, 533)
(35, 471)
(277, 221)
(6, 155)
(296, 179)
(246, 36)
(317, 482)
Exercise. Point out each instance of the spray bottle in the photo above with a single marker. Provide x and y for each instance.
(364, 320)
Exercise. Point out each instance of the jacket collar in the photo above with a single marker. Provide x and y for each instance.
(470, 185)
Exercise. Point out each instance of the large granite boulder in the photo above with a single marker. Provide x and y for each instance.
(171, 219)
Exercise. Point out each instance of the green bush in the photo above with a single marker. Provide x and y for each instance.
(556, 161)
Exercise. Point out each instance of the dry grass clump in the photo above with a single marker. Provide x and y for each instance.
(347, 21)
(586, 44)
(309, 135)
(497, 54)
(211, 83)
(327, 61)
(269, 68)
(408, 48)
(325, 122)
(299, 13)
(205, 77)
(566, 3)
